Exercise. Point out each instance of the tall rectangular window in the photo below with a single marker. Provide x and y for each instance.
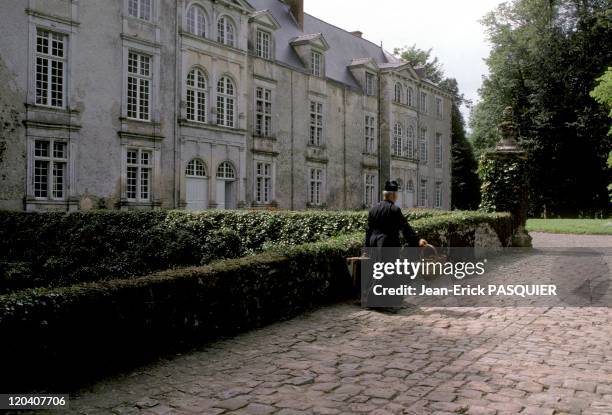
(439, 108)
(316, 123)
(138, 86)
(370, 80)
(423, 193)
(396, 143)
(438, 195)
(424, 102)
(139, 167)
(370, 135)
(50, 169)
(263, 112)
(316, 63)
(140, 9)
(263, 44)
(315, 187)
(438, 150)
(50, 68)
(263, 183)
(369, 190)
(423, 146)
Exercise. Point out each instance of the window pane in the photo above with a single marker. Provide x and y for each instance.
(132, 157)
(59, 150)
(132, 175)
(145, 158)
(42, 41)
(59, 170)
(41, 177)
(145, 9)
(132, 62)
(42, 80)
(144, 100)
(144, 184)
(133, 8)
(41, 148)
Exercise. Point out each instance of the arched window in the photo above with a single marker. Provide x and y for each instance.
(408, 147)
(225, 31)
(226, 171)
(398, 93)
(397, 140)
(196, 21)
(225, 102)
(196, 95)
(410, 97)
(196, 168)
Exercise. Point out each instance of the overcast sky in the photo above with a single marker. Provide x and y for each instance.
(450, 27)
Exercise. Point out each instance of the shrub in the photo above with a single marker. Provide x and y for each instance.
(58, 335)
(57, 249)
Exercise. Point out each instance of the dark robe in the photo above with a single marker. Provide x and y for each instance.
(385, 222)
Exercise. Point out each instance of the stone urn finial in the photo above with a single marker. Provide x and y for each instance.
(508, 131)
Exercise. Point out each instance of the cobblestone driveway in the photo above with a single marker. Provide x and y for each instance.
(341, 360)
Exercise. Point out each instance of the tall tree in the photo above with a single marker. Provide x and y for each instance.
(603, 94)
(465, 182)
(546, 55)
(420, 58)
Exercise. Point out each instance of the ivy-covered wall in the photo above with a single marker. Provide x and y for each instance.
(503, 183)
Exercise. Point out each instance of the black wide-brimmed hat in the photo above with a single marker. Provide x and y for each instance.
(391, 186)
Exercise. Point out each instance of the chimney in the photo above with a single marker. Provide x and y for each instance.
(297, 10)
(357, 33)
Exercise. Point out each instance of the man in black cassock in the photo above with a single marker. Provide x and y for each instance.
(386, 221)
(382, 244)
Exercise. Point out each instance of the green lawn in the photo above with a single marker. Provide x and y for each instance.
(579, 226)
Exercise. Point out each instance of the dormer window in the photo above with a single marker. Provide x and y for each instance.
(370, 80)
(196, 21)
(225, 31)
(140, 9)
(263, 49)
(316, 63)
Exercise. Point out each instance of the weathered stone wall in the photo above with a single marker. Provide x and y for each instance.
(98, 133)
(12, 142)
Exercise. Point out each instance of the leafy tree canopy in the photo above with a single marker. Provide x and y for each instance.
(545, 58)
(420, 58)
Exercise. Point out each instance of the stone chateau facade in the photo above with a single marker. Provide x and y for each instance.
(203, 104)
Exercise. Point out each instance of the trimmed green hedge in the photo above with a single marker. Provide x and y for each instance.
(54, 336)
(60, 335)
(57, 249)
(457, 229)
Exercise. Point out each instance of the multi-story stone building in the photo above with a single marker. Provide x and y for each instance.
(202, 104)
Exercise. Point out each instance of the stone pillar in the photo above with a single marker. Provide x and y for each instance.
(504, 179)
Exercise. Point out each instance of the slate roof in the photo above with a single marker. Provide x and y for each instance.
(344, 47)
